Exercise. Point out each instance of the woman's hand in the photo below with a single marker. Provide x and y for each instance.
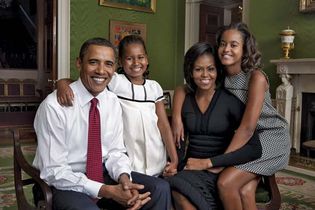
(177, 124)
(198, 164)
(178, 130)
(215, 170)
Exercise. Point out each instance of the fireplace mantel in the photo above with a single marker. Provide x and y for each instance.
(295, 66)
(299, 74)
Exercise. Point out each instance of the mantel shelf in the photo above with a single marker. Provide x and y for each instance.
(295, 66)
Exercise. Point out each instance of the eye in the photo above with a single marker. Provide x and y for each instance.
(234, 44)
(197, 69)
(222, 44)
(211, 68)
(109, 64)
(93, 62)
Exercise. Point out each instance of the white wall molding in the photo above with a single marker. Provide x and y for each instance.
(63, 65)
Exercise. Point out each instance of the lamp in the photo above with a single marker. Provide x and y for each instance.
(287, 44)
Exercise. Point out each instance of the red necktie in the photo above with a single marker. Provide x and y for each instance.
(94, 167)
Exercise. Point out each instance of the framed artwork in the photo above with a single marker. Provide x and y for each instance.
(307, 6)
(119, 29)
(168, 98)
(138, 5)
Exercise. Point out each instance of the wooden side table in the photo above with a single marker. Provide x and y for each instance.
(309, 146)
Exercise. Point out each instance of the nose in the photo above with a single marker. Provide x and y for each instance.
(204, 72)
(101, 69)
(226, 48)
(135, 61)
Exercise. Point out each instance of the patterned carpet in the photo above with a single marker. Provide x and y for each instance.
(297, 190)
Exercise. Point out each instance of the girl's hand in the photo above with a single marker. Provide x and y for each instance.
(64, 93)
(178, 130)
(197, 164)
(170, 169)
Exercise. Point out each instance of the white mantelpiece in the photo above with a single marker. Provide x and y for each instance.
(302, 74)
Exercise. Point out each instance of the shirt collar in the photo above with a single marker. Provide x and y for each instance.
(84, 96)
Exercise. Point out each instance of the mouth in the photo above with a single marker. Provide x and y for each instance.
(137, 69)
(99, 80)
(205, 81)
(226, 56)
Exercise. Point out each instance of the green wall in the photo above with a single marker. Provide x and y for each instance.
(165, 34)
(266, 20)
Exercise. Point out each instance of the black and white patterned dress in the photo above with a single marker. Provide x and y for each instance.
(273, 130)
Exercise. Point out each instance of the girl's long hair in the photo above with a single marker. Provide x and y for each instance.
(251, 59)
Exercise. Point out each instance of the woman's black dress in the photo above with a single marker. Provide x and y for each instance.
(209, 134)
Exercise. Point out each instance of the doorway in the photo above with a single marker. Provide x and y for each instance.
(28, 42)
(203, 18)
(28, 45)
(214, 14)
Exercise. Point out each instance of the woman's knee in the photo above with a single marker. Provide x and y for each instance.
(224, 184)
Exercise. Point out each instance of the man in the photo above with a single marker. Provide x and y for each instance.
(63, 154)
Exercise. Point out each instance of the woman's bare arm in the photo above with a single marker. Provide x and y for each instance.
(177, 123)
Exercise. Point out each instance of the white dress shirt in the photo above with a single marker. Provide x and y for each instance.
(62, 134)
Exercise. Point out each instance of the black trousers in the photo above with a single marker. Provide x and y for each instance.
(159, 188)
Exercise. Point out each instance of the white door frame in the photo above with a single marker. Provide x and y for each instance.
(192, 21)
(63, 37)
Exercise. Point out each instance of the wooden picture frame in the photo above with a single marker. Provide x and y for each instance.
(307, 6)
(143, 6)
(168, 99)
(119, 29)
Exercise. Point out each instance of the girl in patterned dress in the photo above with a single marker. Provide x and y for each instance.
(240, 58)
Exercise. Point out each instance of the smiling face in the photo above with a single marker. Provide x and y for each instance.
(204, 72)
(96, 68)
(134, 62)
(231, 51)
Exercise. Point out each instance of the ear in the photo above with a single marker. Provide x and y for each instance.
(119, 63)
(147, 58)
(78, 63)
